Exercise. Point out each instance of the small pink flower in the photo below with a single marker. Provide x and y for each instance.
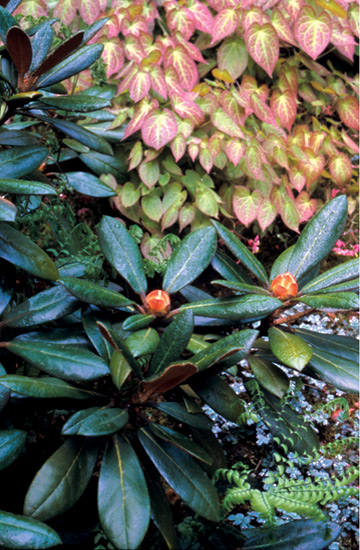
(334, 192)
(254, 244)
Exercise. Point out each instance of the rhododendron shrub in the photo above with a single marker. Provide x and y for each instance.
(225, 106)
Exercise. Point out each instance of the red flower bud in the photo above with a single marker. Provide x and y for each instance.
(284, 286)
(157, 303)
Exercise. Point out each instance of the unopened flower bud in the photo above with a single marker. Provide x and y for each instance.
(157, 303)
(284, 286)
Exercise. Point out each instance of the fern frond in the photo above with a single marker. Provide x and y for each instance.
(236, 496)
(339, 446)
(334, 405)
(263, 504)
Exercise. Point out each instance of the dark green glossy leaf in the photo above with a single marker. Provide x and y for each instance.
(17, 137)
(61, 481)
(282, 262)
(289, 348)
(338, 274)
(179, 412)
(6, 285)
(302, 534)
(180, 441)
(123, 498)
(230, 270)
(4, 392)
(21, 533)
(143, 342)
(45, 387)
(79, 133)
(241, 252)
(92, 29)
(173, 375)
(183, 474)
(190, 259)
(12, 5)
(217, 393)
(11, 444)
(65, 361)
(73, 64)
(123, 253)
(77, 103)
(341, 373)
(343, 346)
(41, 44)
(48, 305)
(173, 342)
(8, 210)
(92, 293)
(105, 164)
(121, 346)
(319, 237)
(88, 184)
(332, 302)
(19, 161)
(6, 22)
(271, 377)
(68, 336)
(96, 421)
(352, 285)
(210, 443)
(89, 319)
(246, 308)
(119, 368)
(137, 322)
(241, 288)
(237, 342)
(24, 187)
(21, 251)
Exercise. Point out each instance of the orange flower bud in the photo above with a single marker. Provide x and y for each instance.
(284, 286)
(157, 303)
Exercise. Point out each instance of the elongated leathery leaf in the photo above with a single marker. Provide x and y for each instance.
(319, 237)
(24, 187)
(21, 251)
(61, 481)
(92, 293)
(19, 532)
(105, 164)
(119, 368)
(143, 342)
(19, 47)
(46, 387)
(137, 322)
(11, 444)
(179, 440)
(217, 393)
(19, 161)
(281, 264)
(250, 307)
(230, 270)
(89, 319)
(6, 22)
(41, 44)
(241, 252)
(271, 377)
(48, 305)
(96, 421)
(341, 373)
(241, 288)
(332, 302)
(343, 346)
(173, 341)
(290, 349)
(78, 103)
(123, 498)
(122, 252)
(8, 210)
(338, 274)
(65, 361)
(183, 474)
(88, 184)
(190, 259)
(179, 412)
(74, 64)
(346, 286)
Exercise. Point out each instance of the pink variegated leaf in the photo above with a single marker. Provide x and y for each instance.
(186, 215)
(193, 150)
(139, 86)
(136, 27)
(246, 204)
(112, 26)
(225, 123)
(232, 56)
(158, 83)
(149, 173)
(205, 159)
(181, 20)
(306, 207)
(266, 213)
(133, 49)
(348, 110)
(254, 15)
(263, 46)
(172, 82)
(349, 142)
(35, 8)
(89, 10)
(312, 167)
(340, 169)
(128, 71)
(281, 157)
(65, 10)
(262, 110)
(185, 68)
(342, 38)
(215, 144)
(277, 197)
(140, 113)
(291, 7)
(290, 214)
(208, 103)
(178, 147)
(159, 128)
(288, 79)
(136, 155)
(113, 56)
(353, 16)
(297, 179)
(232, 108)
(204, 21)
(190, 48)
(282, 27)
(316, 140)
(284, 108)
(103, 5)
(253, 162)
(218, 5)
(312, 31)
(235, 149)
(186, 108)
(225, 23)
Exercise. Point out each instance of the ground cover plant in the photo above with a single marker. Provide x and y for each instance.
(121, 348)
